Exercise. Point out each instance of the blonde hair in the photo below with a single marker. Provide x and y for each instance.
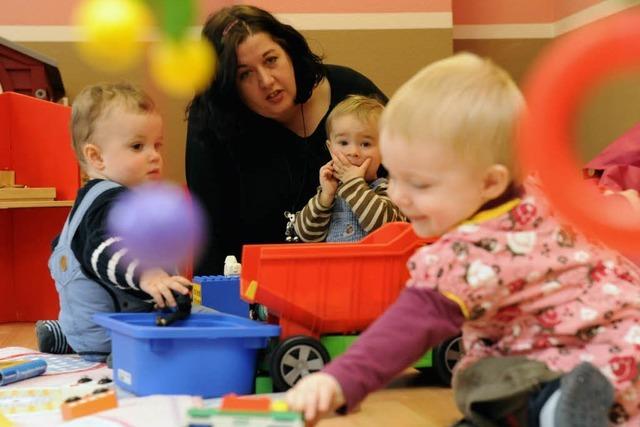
(364, 108)
(94, 101)
(465, 101)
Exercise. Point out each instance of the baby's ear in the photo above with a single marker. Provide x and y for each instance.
(496, 180)
(93, 156)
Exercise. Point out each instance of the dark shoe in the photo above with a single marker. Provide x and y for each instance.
(50, 338)
(585, 398)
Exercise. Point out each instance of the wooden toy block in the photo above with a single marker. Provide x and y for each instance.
(231, 402)
(7, 178)
(99, 400)
(13, 193)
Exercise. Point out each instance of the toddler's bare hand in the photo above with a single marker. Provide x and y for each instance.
(345, 171)
(328, 183)
(159, 285)
(315, 395)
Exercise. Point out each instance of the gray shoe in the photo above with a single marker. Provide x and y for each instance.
(50, 338)
(585, 399)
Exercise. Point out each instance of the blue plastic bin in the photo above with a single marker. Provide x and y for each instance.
(221, 293)
(207, 354)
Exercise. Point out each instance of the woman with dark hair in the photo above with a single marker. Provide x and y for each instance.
(256, 137)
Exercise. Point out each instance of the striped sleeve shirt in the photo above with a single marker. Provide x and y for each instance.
(103, 257)
(372, 207)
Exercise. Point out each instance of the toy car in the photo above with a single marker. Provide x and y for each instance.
(323, 294)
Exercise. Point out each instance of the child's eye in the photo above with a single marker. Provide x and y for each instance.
(137, 146)
(420, 185)
(366, 144)
(158, 145)
(343, 142)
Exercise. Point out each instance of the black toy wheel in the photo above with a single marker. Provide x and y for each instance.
(295, 358)
(445, 357)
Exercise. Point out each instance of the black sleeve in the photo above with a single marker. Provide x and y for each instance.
(102, 256)
(210, 179)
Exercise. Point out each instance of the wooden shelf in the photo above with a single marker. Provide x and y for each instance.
(16, 204)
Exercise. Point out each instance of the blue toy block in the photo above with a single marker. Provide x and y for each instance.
(221, 293)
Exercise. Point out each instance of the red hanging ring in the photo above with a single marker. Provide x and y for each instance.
(557, 86)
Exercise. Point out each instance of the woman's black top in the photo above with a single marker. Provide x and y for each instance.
(247, 184)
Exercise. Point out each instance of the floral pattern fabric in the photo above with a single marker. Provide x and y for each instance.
(530, 286)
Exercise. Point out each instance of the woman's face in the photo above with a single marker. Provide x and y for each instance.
(265, 78)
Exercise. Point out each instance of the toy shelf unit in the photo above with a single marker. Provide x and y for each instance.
(39, 176)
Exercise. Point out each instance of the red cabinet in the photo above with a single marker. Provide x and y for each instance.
(35, 142)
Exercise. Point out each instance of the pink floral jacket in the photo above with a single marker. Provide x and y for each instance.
(530, 286)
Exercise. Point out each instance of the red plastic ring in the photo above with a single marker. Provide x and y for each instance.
(557, 86)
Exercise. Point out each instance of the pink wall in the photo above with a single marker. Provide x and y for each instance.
(486, 12)
(465, 12)
(474, 12)
(568, 7)
(59, 12)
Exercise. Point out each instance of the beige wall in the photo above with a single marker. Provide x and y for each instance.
(609, 111)
(387, 56)
(375, 53)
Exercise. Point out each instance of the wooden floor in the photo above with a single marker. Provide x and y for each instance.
(411, 400)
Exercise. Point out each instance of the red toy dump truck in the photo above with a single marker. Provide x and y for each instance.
(323, 294)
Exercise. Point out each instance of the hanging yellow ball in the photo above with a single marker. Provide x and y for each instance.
(183, 67)
(112, 32)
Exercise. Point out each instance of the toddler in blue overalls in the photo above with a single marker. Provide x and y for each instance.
(117, 136)
(352, 200)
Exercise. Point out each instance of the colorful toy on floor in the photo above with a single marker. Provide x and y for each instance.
(57, 363)
(15, 370)
(246, 411)
(162, 225)
(29, 400)
(99, 400)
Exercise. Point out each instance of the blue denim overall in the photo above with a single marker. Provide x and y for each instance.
(80, 296)
(344, 225)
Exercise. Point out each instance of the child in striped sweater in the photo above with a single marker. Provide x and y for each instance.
(352, 200)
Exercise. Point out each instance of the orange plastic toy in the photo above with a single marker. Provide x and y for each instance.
(323, 294)
(559, 83)
(318, 288)
(89, 404)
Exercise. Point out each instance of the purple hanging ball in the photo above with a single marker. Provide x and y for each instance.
(160, 224)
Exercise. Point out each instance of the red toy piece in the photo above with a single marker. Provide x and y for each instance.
(318, 288)
(322, 293)
(233, 402)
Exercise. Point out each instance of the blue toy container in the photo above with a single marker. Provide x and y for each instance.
(221, 293)
(207, 354)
